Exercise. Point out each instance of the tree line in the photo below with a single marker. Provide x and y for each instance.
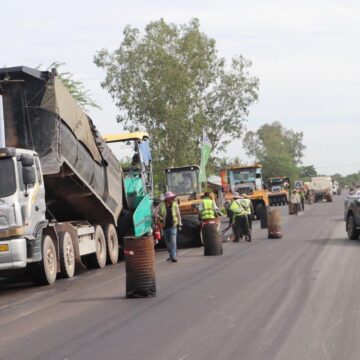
(170, 81)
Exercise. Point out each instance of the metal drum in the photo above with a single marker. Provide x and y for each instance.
(140, 266)
(274, 222)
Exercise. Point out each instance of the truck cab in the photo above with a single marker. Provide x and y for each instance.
(246, 179)
(22, 208)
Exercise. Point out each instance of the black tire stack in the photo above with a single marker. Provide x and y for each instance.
(212, 240)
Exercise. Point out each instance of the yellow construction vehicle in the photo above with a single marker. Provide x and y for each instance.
(246, 179)
(184, 182)
(278, 190)
(137, 215)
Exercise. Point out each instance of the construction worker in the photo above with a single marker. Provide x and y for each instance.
(171, 221)
(207, 208)
(249, 209)
(295, 202)
(239, 217)
(302, 198)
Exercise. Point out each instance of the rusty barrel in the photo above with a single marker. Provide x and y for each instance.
(140, 266)
(212, 240)
(291, 208)
(274, 224)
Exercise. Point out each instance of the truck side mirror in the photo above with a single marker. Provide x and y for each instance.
(27, 160)
(29, 177)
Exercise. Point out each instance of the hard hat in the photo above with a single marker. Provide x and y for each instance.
(244, 195)
(236, 195)
(169, 195)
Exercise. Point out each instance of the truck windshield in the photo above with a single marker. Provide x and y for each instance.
(183, 182)
(240, 176)
(7, 177)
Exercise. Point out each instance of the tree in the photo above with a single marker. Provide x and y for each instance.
(278, 149)
(172, 83)
(75, 87)
(307, 172)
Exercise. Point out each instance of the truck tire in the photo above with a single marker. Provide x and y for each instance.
(352, 231)
(112, 244)
(67, 255)
(98, 259)
(44, 272)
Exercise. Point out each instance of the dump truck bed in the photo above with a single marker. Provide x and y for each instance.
(83, 178)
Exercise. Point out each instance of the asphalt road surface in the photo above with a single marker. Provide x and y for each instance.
(292, 298)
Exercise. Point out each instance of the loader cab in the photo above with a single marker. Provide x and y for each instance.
(278, 183)
(183, 180)
(134, 155)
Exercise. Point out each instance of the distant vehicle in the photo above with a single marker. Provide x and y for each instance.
(322, 188)
(246, 179)
(298, 184)
(352, 215)
(278, 190)
(336, 188)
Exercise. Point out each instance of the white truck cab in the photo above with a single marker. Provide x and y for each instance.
(22, 208)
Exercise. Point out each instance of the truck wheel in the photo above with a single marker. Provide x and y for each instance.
(44, 272)
(112, 243)
(353, 232)
(67, 255)
(98, 259)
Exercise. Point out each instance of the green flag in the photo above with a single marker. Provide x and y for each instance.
(205, 154)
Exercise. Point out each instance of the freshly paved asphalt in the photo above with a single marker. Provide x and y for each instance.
(286, 299)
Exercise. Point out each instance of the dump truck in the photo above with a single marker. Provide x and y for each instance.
(246, 179)
(278, 190)
(61, 187)
(322, 188)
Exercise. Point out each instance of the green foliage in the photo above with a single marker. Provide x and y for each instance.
(350, 180)
(278, 149)
(75, 87)
(171, 82)
(307, 172)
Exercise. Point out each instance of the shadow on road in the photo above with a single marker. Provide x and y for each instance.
(13, 283)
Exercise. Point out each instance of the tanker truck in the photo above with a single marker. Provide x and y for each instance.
(322, 188)
(61, 187)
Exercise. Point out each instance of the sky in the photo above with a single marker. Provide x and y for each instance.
(305, 53)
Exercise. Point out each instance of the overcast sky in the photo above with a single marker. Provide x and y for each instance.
(306, 54)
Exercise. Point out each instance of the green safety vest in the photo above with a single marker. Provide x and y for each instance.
(246, 204)
(237, 208)
(174, 212)
(208, 211)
